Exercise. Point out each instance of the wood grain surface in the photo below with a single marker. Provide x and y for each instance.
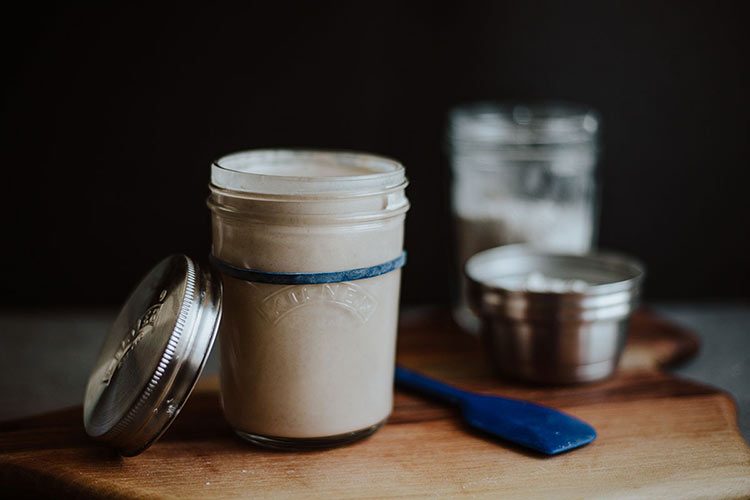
(659, 437)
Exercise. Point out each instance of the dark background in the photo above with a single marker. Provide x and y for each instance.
(111, 116)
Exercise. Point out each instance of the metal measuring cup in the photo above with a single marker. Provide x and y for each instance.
(560, 335)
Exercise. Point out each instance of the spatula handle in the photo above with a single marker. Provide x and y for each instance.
(411, 380)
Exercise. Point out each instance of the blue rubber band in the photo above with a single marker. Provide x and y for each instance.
(256, 276)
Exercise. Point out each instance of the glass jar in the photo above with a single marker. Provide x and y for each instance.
(521, 174)
(309, 245)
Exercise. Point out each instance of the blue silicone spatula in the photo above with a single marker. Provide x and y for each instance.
(527, 424)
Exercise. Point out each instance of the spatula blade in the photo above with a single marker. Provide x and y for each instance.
(530, 425)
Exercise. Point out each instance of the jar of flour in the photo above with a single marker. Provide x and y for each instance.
(521, 174)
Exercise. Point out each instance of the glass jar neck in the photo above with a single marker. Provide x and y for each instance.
(503, 125)
(292, 187)
(306, 173)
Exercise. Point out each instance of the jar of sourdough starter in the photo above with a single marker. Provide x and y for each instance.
(309, 245)
(303, 289)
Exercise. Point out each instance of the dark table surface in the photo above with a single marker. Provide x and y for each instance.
(45, 357)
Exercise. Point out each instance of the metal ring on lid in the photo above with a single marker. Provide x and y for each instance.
(153, 355)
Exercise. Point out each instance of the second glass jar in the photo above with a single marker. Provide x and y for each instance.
(522, 173)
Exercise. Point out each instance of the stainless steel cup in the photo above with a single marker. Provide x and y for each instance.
(553, 337)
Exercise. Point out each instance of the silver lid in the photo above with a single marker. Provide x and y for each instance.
(153, 355)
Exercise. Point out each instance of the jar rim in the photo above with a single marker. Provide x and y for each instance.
(513, 124)
(607, 272)
(305, 172)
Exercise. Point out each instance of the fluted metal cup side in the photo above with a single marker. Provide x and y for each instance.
(556, 337)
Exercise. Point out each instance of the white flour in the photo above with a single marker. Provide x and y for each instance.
(538, 282)
(542, 224)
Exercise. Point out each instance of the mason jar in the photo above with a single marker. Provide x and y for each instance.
(522, 173)
(309, 245)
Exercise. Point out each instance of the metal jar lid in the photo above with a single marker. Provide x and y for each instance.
(153, 355)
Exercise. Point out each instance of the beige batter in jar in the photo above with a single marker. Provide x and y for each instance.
(311, 364)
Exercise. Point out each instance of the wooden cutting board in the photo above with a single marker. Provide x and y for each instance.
(659, 436)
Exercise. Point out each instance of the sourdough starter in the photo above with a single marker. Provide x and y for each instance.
(308, 361)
